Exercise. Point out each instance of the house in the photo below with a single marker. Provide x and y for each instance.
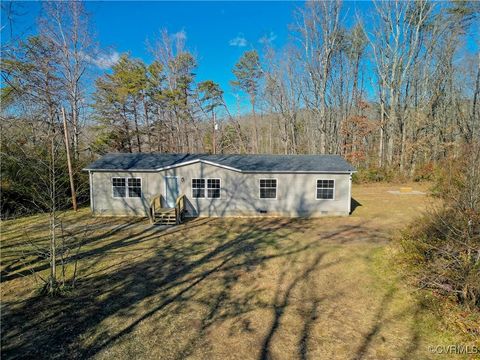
(145, 184)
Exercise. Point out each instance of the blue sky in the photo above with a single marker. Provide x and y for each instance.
(216, 32)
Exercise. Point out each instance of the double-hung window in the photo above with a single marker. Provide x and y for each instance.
(213, 188)
(134, 187)
(198, 188)
(268, 188)
(119, 187)
(206, 188)
(127, 187)
(325, 189)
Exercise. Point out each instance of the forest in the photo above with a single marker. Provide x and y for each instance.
(395, 93)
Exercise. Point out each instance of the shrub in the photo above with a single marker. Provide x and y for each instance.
(425, 172)
(442, 249)
(373, 174)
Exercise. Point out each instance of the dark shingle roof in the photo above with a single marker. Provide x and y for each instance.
(247, 163)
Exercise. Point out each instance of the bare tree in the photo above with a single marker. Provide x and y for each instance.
(35, 86)
(396, 43)
(319, 28)
(66, 25)
(283, 94)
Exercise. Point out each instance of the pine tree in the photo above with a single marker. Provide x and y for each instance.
(248, 73)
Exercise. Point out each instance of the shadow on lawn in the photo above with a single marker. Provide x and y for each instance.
(382, 319)
(173, 276)
(282, 300)
(15, 268)
(354, 205)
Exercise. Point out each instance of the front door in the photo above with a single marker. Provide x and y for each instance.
(171, 190)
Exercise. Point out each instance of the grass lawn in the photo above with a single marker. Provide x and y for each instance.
(225, 289)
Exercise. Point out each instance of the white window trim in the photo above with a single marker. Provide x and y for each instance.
(126, 187)
(316, 188)
(276, 189)
(205, 188)
(111, 184)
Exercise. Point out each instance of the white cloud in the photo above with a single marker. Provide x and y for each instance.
(103, 61)
(239, 41)
(268, 38)
(181, 35)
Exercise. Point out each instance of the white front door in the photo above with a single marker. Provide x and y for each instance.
(171, 190)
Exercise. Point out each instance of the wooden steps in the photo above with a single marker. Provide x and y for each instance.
(165, 216)
(162, 215)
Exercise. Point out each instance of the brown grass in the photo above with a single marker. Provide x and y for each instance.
(225, 288)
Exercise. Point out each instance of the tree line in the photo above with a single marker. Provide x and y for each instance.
(397, 88)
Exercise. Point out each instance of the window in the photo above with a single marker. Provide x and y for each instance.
(198, 188)
(209, 188)
(134, 187)
(127, 187)
(325, 189)
(119, 189)
(268, 188)
(213, 188)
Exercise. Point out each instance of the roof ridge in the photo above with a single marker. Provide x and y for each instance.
(207, 154)
(156, 161)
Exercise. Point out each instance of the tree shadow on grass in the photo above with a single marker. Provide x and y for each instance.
(382, 319)
(281, 302)
(167, 271)
(375, 329)
(41, 326)
(15, 268)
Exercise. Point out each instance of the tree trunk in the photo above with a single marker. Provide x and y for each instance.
(69, 162)
(255, 129)
(382, 134)
(137, 131)
(147, 123)
(214, 141)
(475, 124)
(75, 126)
(53, 221)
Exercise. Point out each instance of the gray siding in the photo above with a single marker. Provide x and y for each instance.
(296, 193)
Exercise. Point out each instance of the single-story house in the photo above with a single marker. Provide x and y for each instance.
(221, 185)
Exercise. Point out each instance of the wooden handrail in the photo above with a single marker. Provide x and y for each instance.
(155, 203)
(180, 208)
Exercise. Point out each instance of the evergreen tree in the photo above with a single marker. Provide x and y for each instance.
(248, 73)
